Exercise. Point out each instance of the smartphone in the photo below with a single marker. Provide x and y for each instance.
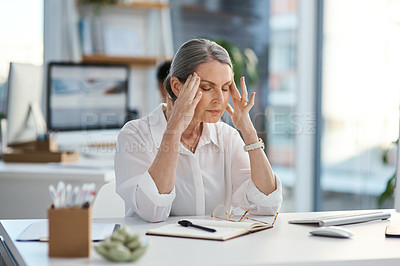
(392, 231)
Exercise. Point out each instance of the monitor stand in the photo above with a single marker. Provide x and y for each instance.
(27, 131)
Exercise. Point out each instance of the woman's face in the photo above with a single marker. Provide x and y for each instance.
(215, 79)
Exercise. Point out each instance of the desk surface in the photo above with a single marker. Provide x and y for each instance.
(285, 244)
(88, 169)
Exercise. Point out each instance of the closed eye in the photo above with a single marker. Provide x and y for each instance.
(206, 88)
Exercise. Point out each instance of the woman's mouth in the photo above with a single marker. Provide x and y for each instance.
(214, 112)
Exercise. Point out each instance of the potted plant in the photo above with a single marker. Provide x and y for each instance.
(391, 183)
(98, 4)
(244, 62)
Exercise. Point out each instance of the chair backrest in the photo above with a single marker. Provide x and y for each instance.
(108, 204)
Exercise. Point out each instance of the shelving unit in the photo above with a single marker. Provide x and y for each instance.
(144, 4)
(138, 34)
(142, 30)
(147, 9)
(133, 61)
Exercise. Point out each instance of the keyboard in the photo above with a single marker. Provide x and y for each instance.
(341, 219)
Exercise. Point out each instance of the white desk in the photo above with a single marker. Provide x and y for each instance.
(24, 187)
(285, 244)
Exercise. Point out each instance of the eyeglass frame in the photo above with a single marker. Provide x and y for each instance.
(243, 217)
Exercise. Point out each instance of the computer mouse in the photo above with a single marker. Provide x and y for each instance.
(332, 231)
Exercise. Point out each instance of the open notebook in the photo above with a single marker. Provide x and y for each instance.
(224, 229)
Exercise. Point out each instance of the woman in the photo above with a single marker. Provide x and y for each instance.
(181, 159)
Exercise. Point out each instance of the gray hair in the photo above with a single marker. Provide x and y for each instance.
(191, 54)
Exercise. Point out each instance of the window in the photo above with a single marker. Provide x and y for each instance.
(21, 38)
(360, 101)
(282, 94)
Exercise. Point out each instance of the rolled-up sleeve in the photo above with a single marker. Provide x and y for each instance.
(134, 155)
(245, 193)
(262, 204)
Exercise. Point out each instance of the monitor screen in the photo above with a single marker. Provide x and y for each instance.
(86, 96)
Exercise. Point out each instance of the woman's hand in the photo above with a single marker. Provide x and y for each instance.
(262, 174)
(180, 113)
(241, 107)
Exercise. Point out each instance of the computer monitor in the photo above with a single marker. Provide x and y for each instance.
(25, 90)
(3, 99)
(86, 96)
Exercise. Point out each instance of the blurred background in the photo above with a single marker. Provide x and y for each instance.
(326, 75)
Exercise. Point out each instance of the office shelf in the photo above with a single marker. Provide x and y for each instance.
(106, 59)
(137, 33)
(144, 5)
(133, 5)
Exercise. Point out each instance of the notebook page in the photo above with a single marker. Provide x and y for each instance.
(222, 232)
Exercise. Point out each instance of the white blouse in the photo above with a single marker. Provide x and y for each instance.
(217, 173)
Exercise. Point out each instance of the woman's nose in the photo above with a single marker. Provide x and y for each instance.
(218, 96)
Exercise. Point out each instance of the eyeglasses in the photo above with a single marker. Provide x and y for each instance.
(220, 213)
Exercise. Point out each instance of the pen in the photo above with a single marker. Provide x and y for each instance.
(61, 193)
(53, 195)
(80, 198)
(68, 195)
(187, 223)
(89, 189)
(74, 196)
(92, 193)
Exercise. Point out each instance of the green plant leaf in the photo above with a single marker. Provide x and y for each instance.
(388, 193)
(245, 62)
(251, 63)
(391, 183)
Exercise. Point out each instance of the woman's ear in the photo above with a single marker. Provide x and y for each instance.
(176, 86)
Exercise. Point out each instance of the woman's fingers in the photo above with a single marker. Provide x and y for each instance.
(252, 98)
(194, 86)
(245, 108)
(190, 87)
(197, 98)
(244, 88)
(234, 91)
(250, 104)
(229, 109)
(183, 91)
